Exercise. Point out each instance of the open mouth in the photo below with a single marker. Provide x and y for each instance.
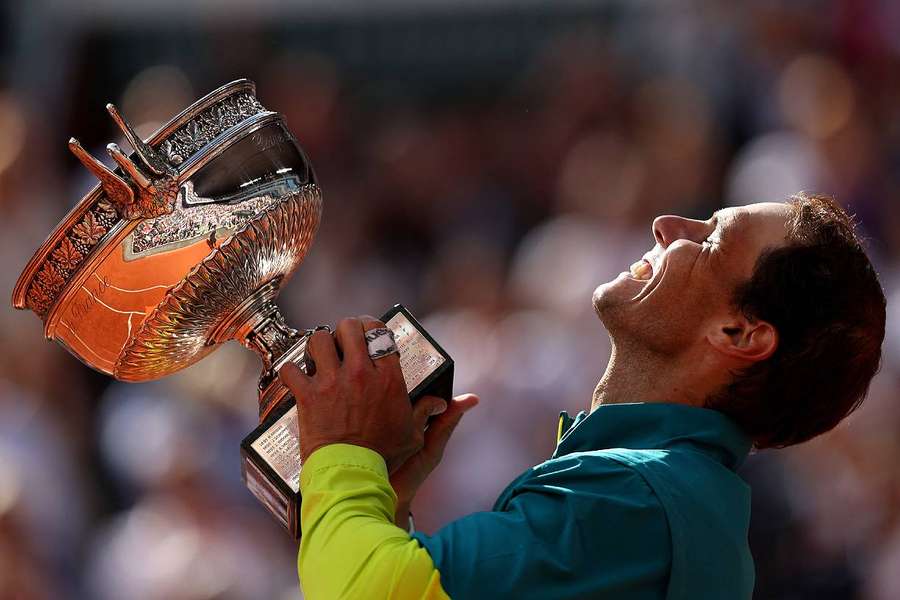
(642, 270)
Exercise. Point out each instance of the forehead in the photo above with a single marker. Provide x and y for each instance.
(760, 225)
(747, 231)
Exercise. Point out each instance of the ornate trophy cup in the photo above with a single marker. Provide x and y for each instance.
(185, 245)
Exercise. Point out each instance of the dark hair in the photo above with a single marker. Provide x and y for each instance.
(822, 295)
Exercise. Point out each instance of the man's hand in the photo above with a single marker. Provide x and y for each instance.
(355, 400)
(412, 474)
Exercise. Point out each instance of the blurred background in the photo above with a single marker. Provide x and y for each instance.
(486, 163)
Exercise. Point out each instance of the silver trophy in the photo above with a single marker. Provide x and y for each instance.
(184, 245)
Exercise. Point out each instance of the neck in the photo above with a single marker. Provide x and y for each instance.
(642, 376)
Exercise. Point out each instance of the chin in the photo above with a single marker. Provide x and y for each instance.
(598, 300)
(612, 294)
(615, 307)
(605, 301)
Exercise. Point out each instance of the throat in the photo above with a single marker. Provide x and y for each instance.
(643, 377)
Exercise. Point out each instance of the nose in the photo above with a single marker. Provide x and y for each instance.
(669, 228)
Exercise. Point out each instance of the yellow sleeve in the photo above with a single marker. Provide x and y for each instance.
(350, 547)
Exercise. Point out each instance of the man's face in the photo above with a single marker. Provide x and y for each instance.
(670, 297)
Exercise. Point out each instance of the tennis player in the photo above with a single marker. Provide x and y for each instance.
(759, 327)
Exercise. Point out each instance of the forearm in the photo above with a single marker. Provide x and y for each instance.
(350, 547)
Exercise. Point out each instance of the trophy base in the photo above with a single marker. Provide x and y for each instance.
(270, 454)
(270, 465)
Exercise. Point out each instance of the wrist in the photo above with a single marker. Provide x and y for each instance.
(309, 449)
(402, 513)
(339, 467)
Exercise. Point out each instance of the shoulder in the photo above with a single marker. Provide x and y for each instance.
(611, 467)
(592, 484)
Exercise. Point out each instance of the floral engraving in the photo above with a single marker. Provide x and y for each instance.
(38, 299)
(203, 128)
(67, 257)
(80, 240)
(49, 277)
(104, 208)
(88, 231)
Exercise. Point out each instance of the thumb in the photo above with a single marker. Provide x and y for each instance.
(425, 408)
(441, 428)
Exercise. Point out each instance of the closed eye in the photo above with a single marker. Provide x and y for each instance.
(713, 238)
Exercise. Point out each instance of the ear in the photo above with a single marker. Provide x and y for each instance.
(743, 339)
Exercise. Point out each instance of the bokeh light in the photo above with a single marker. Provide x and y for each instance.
(487, 164)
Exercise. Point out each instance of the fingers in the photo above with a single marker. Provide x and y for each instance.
(296, 380)
(425, 408)
(349, 338)
(322, 351)
(370, 322)
(442, 427)
(352, 341)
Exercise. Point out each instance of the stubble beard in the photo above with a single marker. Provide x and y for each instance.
(639, 337)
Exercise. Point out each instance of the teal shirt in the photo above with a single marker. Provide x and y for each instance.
(639, 501)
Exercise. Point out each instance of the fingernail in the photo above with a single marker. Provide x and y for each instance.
(438, 409)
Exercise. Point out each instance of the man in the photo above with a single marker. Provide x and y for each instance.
(761, 326)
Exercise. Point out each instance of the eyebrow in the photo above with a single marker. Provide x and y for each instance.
(718, 215)
(733, 219)
(720, 221)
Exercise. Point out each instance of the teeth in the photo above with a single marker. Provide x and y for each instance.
(641, 270)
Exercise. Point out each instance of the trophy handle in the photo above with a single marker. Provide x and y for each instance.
(259, 325)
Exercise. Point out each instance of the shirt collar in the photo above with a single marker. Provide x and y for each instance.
(654, 425)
